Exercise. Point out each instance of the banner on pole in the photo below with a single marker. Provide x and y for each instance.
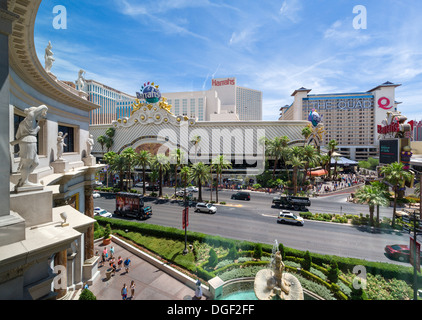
(185, 218)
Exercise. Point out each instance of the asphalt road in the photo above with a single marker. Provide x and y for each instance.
(255, 221)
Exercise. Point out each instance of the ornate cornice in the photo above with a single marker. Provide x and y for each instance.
(24, 61)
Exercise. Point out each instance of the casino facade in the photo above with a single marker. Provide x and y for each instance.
(351, 119)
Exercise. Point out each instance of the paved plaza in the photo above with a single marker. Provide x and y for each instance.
(151, 283)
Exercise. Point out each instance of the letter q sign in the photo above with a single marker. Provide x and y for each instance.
(384, 103)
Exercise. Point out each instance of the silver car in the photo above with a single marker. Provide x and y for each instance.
(205, 207)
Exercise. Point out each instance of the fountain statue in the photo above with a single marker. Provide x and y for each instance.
(275, 283)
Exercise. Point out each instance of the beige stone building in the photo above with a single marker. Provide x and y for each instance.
(349, 118)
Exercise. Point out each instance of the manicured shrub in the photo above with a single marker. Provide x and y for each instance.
(213, 260)
(333, 272)
(87, 295)
(282, 251)
(307, 261)
(257, 252)
(233, 253)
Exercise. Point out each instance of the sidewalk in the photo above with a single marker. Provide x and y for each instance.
(151, 283)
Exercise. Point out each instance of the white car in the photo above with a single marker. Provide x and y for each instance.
(104, 213)
(96, 195)
(205, 207)
(192, 189)
(288, 217)
(141, 185)
(97, 209)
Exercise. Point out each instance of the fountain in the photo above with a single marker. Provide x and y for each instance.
(275, 283)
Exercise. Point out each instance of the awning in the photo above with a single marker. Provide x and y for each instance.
(318, 173)
(343, 161)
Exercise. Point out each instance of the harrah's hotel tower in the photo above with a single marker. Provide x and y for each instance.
(351, 119)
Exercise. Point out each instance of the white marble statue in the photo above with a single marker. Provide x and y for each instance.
(48, 57)
(80, 82)
(89, 145)
(26, 137)
(60, 145)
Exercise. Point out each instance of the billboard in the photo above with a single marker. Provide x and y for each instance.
(127, 203)
(389, 151)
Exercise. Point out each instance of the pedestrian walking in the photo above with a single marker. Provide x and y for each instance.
(111, 252)
(124, 292)
(127, 264)
(132, 290)
(103, 259)
(119, 262)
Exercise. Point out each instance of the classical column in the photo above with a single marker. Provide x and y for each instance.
(60, 261)
(89, 211)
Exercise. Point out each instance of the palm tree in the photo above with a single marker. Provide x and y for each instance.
(383, 189)
(153, 176)
(102, 141)
(143, 159)
(201, 174)
(196, 140)
(161, 162)
(177, 158)
(220, 163)
(396, 176)
(296, 162)
(130, 155)
(311, 157)
(332, 146)
(275, 148)
(108, 158)
(306, 132)
(373, 196)
(118, 164)
(109, 138)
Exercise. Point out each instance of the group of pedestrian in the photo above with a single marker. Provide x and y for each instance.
(108, 256)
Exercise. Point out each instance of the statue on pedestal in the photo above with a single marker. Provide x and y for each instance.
(89, 145)
(60, 145)
(26, 137)
(48, 56)
(80, 82)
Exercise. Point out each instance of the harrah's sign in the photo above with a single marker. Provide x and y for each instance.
(225, 82)
(391, 128)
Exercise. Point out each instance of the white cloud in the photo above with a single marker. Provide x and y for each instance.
(291, 9)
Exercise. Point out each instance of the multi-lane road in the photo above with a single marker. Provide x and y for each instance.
(255, 221)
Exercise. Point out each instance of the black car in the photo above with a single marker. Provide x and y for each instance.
(242, 196)
(152, 188)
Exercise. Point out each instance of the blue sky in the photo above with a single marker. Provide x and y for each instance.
(272, 46)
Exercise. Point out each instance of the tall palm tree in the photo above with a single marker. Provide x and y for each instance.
(196, 140)
(311, 157)
(177, 159)
(130, 155)
(396, 176)
(143, 159)
(332, 146)
(296, 162)
(383, 189)
(118, 164)
(201, 174)
(108, 158)
(162, 163)
(154, 176)
(306, 133)
(275, 148)
(102, 141)
(220, 163)
(372, 196)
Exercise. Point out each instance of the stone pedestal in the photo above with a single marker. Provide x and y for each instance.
(12, 229)
(216, 287)
(89, 161)
(60, 166)
(90, 270)
(34, 207)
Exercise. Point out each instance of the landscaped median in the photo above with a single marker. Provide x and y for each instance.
(330, 277)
